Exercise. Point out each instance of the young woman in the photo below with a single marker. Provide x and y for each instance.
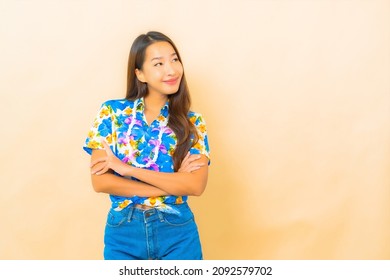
(150, 152)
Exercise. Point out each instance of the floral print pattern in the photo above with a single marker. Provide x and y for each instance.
(123, 125)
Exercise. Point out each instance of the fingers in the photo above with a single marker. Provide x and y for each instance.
(101, 171)
(98, 169)
(190, 158)
(191, 168)
(99, 166)
(193, 157)
(189, 163)
(96, 161)
(107, 147)
(184, 161)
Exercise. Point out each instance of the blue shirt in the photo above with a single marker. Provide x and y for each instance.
(123, 125)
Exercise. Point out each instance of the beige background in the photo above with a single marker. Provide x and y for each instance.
(296, 95)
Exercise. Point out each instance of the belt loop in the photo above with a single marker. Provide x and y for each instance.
(160, 215)
(130, 214)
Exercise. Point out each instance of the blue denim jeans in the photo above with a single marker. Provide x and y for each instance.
(136, 234)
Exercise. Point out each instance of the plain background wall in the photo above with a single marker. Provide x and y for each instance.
(296, 96)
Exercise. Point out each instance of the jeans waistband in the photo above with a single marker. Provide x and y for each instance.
(145, 215)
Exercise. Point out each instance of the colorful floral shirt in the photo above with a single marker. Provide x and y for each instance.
(123, 125)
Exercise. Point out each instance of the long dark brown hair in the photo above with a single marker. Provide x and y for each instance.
(179, 102)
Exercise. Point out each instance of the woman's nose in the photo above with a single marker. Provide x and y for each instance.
(170, 69)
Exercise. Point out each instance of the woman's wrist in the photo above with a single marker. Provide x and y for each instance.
(129, 171)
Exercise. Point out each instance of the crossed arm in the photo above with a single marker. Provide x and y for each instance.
(191, 179)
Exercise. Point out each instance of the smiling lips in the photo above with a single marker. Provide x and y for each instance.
(171, 82)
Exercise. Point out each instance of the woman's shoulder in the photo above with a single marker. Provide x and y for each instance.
(194, 114)
(195, 117)
(118, 104)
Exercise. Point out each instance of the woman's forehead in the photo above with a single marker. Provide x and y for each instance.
(159, 50)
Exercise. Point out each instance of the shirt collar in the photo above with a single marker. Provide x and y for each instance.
(141, 107)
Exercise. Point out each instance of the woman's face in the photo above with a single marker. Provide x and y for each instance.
(161, 70)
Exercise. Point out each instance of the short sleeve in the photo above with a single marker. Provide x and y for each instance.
(202, 146)
(102, 128)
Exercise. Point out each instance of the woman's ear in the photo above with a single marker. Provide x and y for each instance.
(140, 75)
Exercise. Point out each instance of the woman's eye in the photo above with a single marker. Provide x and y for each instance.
(158, 64)
(175, 59)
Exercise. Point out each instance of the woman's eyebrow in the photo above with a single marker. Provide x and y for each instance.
(160, 57)
(156, 58)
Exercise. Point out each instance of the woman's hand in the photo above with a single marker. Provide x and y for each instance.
(110, 161)
(189, 163)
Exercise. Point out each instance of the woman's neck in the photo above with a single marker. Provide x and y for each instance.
(155, 102)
